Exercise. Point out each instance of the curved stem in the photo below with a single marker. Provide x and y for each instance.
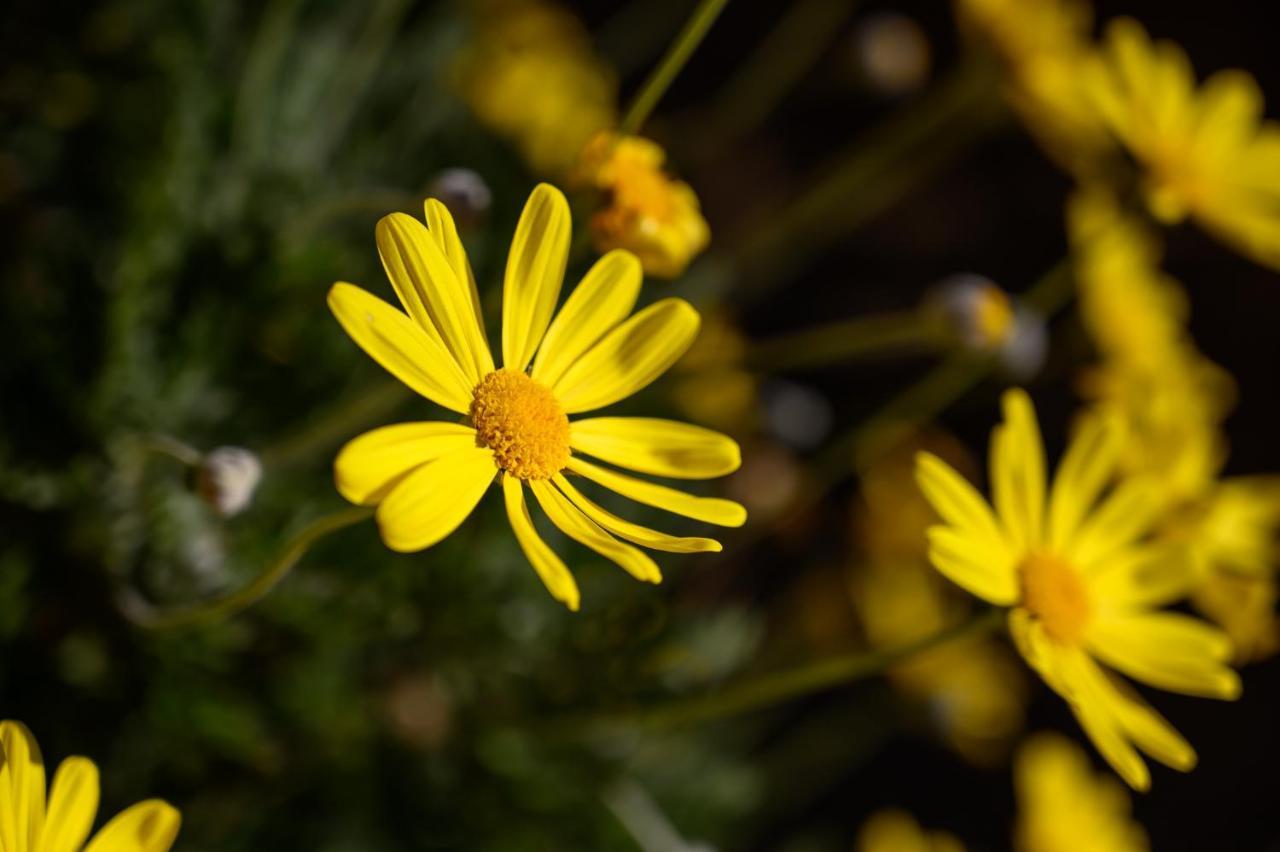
(765, 690)
(860, 337)
(665, 73)
(144, 615)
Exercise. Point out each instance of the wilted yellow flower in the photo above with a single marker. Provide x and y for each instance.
(30, 822)
(1043, 45)
(530, 73)
(426, 478)
(1205, 151)
(1083, 584)
(973, 686)
(1064, 806)
(645, 210)
(897, 831)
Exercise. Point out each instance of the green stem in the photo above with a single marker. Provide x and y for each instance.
(241, 599)
(665, 73)
(816, 676)
(860, 337)
(341, 423)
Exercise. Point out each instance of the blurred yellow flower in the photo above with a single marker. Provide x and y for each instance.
(893, 830)
(30, 822)
(1042, 46)
(530, 74)
(426, 478)
(1082, 583)
(645, 211)
(1205, 151)
(973, 686)
(1063, 806)
(713, 385)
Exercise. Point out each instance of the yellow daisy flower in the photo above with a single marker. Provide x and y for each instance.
(892, 830)
(1205, 151)
(1063, 806)
(1082, 583)
(426, 478)
(30, 822)
(646, 212)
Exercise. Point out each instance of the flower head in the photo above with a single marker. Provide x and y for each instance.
(426, 478)
(1205, 151)
(645, 211)
(1063, 806)
(1082, 580)
(897, 831)
(30, 821)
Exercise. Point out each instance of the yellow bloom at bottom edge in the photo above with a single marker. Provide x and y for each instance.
(1083, 582)
(1063, 806)
(893, 830)
(31, 823)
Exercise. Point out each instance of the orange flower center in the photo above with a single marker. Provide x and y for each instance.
(1054, 593)
(522, 422)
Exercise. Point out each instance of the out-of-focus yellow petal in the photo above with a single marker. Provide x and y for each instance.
(369, 466)
(660, 447)
(535, 271)
(551, 569)
(1017, 470)
(1150, 731)
(1122, 519)
(603, 298)
(582, 529)
(634, 532)
(431, 502)
(149, 826)
(432, 292)
(712, 510)
(1084, 471)
(21, 787)
(991, 576)
(1143, 577)
(629, 357)
(73, 803)
(1087, 690)
(957, 502)
(401, 347)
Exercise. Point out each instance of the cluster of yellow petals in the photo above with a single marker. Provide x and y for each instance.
(645, 210)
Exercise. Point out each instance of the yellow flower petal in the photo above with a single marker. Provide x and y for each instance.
(660, 447)
(1142, 577)
(1017, 470)
(149, 826)
(633, 532)
(402, 348)
(432, 293)
(713, 510)
(958, 503)
(605, 296)
(555, 576)
(990, 575)
(1124, 517)
(431, 502)
(1168, 650)
(629, 357)
(441, 226)
(369, 466)
(73, 803)
(1088, 695)
(535, 271)
(1084, 471)
(21, 787)
(582, 529)
(1150, 731)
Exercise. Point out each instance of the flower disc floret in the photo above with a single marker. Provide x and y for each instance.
(523, 423)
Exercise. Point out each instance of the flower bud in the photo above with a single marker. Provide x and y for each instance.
(226, 479)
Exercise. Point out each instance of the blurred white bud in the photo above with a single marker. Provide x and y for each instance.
(892, 53)
(227, 478)
(1024, 351)
(984, 318)
(798, 416)
(464, 192)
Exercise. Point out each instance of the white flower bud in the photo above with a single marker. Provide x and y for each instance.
(227, 478)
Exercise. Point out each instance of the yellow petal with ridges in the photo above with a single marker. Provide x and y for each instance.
(629, 357)
(535, 272)
(442, 228)
(990, 575)
(401, 347)
(431, 502)
(659, 447)
(415, 263)
(605, 296)
(550, 568)
(149, 826)
(73, 803)
(369, 466)
(21, 787)
(712, 510)
(583, 530)
(633, 532)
